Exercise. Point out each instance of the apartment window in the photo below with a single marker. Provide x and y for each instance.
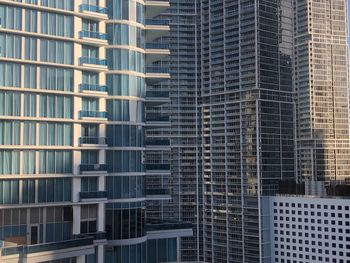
(30, 48)
(10, 75)
(10, 46)
(56, 51)
(10, 17)
(30, 76)
(54, 190)
(10, 103)
(55, 162)
(52, 106)
(56, 24)
(9, 191)
(59, 4)
(29, 162)
(56, 79)
(57, 134)
(31, 18)
(9, 132)
(29, 133)
(30, 105)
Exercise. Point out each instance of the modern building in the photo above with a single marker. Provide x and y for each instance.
(173, 146)
(247, 120)
(321, 86)
(306, 229)
(72, 94)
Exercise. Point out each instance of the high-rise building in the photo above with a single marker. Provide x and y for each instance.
(72, 93)
(321, 87)
(175, 161)
(247, 120)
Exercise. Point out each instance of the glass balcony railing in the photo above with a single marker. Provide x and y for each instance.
(157, 118)
(157, 192)
(54, 246)
(92, 114)
(157, 94)
(93, 195)
(157, 225)
(156, 46)
(92, 34)
(157, 22)
(92, 8)
(93, 168)
(157, 142)
(92, 140)
(157, 166)
(157, 70)
(92, 60)
(93, 87)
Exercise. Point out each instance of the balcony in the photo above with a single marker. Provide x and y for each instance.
(158, 194)
(157, 97)
(158, 168)
(100, 141)
(156, 51)
(93, 168)
(93, 37)
(158, 121)
(156, 28)
(155, 74)
(92, 88)
(93, 11)
(155, 7)
(154, 144)
(49, 251)
(156, 228)
(92, 114)
(92, 62)
(87, 196)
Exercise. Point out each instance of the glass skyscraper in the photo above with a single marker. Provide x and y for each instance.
(322, 90)
(72, 125)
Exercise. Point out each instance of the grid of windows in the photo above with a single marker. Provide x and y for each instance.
(310, 230)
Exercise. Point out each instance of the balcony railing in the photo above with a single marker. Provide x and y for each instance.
(157, 142)
(157, 70)
(93, 61)
(54, 246)
(93, 168)
(92, 34)
(157, 94)
(93, 87)
(156, 225)
(92, 114)
(157, 118)
(156, 46)
(157, 192)
(157, 166)
(157, 22)
(92, 8)
(92, 140)
(93, 195)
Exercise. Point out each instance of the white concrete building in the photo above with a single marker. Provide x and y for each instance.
(306, 229)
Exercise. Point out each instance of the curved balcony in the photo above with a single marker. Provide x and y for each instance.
(156, 74)
(92, 114)
(93, 11)
(156, 51)
(156, 28)
(93, 62)
(92, 8)
(77, 246)
(101, 141)
(155, 7)
(92, 88)
(93, 37)
(157, 97)
(93, 168)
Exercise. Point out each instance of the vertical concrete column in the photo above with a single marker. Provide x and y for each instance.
(100, 254)
(76, 219)
(101, 217)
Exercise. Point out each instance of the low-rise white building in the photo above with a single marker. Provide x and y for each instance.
(307, 229)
